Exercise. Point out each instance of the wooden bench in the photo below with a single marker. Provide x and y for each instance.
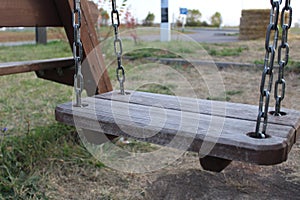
(34, 65)
(186, 123)
(59, 69)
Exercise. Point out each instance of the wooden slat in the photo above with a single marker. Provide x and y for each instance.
(216, 108)
(94, 71)
(28, 13)
(35, 65)
(59, 75)
(181, 129)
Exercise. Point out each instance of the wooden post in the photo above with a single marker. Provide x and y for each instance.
(94, 71)
(41, 35)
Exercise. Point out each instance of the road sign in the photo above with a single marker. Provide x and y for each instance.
(183, 11)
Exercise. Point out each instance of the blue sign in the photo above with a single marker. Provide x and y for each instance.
(183, 11)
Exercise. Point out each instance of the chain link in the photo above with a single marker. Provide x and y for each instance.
(118, 47)
(271, 47)
(265, 90)
(283, 51)
(77, 52)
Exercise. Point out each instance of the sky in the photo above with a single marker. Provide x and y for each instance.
(229, 9)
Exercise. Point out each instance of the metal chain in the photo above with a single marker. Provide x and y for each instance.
(283, 51)
(77, 52)
(265, 90)
(115, 17)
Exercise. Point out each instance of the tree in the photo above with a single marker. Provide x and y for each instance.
(193, 18)
(131, 24)
(216, 19)
(149, 20)
(104, 17)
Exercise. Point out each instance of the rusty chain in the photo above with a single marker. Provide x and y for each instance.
(118, 48)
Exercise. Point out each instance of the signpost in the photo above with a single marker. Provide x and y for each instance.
(165, 28)
(183, 14)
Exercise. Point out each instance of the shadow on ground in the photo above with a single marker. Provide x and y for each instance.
(238, 181)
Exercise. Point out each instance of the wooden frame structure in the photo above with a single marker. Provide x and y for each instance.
(57, 13)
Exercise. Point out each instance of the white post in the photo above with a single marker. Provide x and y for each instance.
(165, 28)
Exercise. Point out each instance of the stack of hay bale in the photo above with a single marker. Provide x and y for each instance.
(253, 24)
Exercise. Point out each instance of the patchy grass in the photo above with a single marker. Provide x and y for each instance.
(234, 92)
(23, 158)
(41, 159)
(151, 53)
(54, 49)
(227, 51)
(159, 89)
(259, 62)
(294, 66)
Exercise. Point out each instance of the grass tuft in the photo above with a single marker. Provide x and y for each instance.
(227, 51)
(21, 158)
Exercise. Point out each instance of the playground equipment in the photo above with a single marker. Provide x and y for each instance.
(263, 139)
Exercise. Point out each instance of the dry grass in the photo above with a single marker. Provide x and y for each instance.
(24, 100)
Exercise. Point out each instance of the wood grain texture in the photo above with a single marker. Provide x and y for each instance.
(207, 107)
(144, 118)
(28, 13)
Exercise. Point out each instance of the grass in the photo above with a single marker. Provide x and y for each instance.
(31, 140)
(155, 88)
(151, 52)
(32, 144)
(227, 51)
(22, 158)
(53, 49)
(29, 135)
(292, 66)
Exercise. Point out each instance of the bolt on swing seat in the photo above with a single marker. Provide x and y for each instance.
(225, 130)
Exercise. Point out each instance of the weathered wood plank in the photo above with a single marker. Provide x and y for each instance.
(28, 13)
(216, 108)
(35, 65)
(94, 70)
(181, 129)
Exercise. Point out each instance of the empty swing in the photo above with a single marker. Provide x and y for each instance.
(265, 138)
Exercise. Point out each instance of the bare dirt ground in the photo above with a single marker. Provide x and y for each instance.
(184, 179)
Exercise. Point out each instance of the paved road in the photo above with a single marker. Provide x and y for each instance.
(197, 34)
(201, 35)
(215, 35)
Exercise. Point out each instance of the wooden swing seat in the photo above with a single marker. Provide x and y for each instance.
(165, 117)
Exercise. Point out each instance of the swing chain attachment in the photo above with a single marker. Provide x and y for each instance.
(118, 47)
(77, 53)
(283, 51)
(265, 88)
